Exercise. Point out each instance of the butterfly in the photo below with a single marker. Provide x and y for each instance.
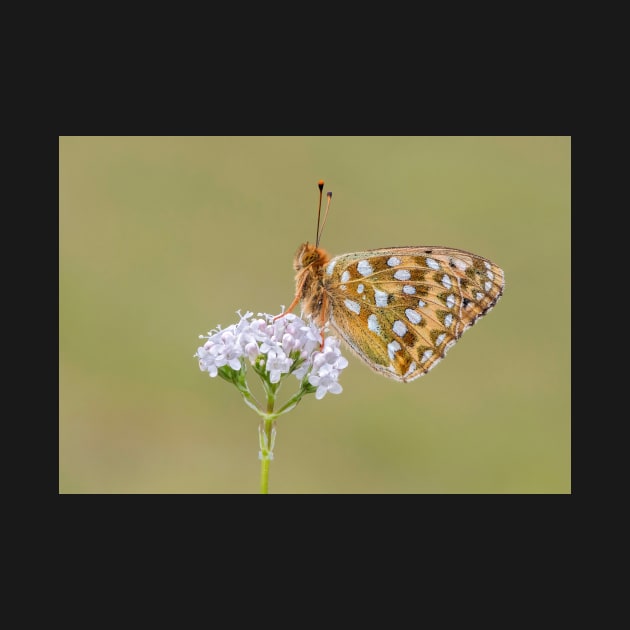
(398, 308)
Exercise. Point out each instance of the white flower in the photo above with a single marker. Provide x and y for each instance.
(330, 354)
(278, 363)
(231, 352)
(207, 361)
(283, 342)
(326, 381)
(252, 350)
(327, 366)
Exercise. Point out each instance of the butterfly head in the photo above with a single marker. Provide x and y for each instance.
(309, 255)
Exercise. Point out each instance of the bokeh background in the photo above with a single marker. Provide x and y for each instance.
(163, 238)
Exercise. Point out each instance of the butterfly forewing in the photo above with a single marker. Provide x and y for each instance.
(401, 308)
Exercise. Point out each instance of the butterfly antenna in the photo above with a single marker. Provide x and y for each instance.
(320, 185)
(319, 232)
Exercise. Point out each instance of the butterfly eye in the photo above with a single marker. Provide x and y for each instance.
(308, 255)
(301, 257)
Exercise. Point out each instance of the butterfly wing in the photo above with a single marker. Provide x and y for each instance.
(401, 308)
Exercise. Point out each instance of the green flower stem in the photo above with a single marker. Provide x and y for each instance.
(259, 346)
(248, 397)
(267, 435)
(271, 397)
(291, 403)
(267, 427)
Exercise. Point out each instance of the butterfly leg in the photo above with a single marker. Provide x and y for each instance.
(322, 318)
(288, 310)
(296, 299)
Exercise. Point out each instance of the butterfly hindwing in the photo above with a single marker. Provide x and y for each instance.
(401, 308)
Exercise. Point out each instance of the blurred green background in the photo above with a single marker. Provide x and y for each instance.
(163, 238)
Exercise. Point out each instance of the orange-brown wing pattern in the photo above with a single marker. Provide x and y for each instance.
(401, 308)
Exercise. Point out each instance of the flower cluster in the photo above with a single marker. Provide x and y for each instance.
(287, 345)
